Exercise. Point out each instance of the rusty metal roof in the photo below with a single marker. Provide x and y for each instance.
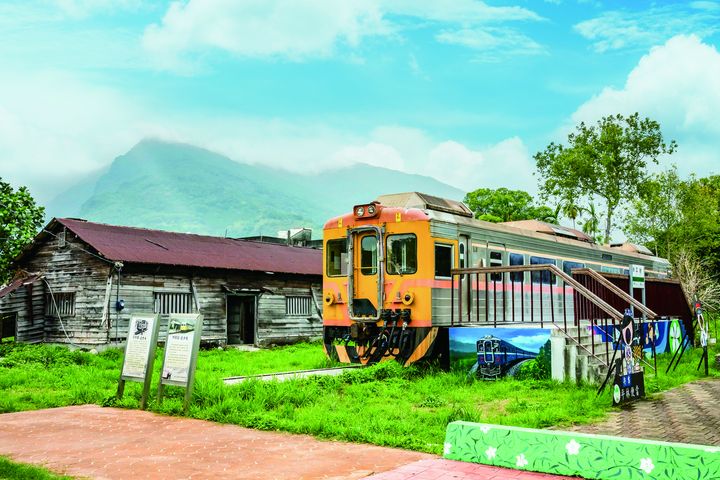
(140, 245)
(17, 283)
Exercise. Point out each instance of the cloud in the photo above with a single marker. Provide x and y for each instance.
(623, 29)
(492, 43)
(56, 127)
(677, 84)
(298, 30)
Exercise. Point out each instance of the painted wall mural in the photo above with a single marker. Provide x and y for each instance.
(579, 454)
(667, 335)
(491, 353)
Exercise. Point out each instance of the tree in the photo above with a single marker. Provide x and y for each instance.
(653, 216)
(503, 205)
(607, 161)
(20, 220)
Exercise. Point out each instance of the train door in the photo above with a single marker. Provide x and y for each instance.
(465, 261)
(365, 277)
(498, 301)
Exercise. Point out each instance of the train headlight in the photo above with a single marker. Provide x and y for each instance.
(328, 298)
(360, 211)
(371, 210)
(408, 298)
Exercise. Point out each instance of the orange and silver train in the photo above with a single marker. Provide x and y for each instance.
(387, 271)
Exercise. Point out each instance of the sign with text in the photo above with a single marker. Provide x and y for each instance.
(181, 350)
(637, 276)
(139, 355)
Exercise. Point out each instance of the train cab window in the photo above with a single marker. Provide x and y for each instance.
(546, 277)
(496, 261)
(443, 260)
(368, 255)
(336, 257)
(517, 259)
(568, 266)
(401, 254)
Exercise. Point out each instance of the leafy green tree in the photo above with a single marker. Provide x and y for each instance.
(699, 224)
(20, 220)
(652, 218)
(504, 205)
(607, 161)
(591, 224)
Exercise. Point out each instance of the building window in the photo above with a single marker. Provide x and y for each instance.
(517, 259)
(336, 257)
(568, 266)
(544, 276)
(60, 302)
(401, 254)
(298, 306)
(166, 303)
(368, 255)
(443, 260)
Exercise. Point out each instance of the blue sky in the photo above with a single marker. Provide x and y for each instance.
(465, 91)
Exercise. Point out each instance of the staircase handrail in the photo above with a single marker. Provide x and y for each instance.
(616, 290)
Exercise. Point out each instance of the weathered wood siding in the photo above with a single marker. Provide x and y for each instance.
(26, 304)
(139, 284)
(71, 268)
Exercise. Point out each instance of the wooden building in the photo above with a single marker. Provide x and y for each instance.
(78, 282)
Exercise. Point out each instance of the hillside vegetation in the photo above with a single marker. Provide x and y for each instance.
(180, 187)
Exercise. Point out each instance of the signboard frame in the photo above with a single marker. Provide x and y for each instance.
(188, 383)
(149, 361)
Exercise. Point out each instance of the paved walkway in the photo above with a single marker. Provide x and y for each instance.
(109, 443)
(686, 414)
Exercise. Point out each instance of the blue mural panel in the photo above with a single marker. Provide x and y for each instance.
(491, 353)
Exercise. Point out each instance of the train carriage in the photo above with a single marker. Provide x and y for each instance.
(388, 282)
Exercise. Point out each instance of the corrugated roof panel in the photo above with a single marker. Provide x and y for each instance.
(140, 245)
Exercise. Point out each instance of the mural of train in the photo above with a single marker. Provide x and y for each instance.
(495, 357)
(387, 272)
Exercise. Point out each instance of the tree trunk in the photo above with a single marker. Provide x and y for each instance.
(608, 225)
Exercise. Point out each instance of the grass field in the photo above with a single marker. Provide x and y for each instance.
(13, 470)
(383, 405)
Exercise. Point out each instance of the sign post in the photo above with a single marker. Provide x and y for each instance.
(139, 356)
(181, 351)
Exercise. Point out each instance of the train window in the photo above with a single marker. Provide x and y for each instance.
(546, 277)
(401, 254)
(517, 259)
(496, 261)
(368, 255)
(568, 266)
(336, 258)
(443, 260)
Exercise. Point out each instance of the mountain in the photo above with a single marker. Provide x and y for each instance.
(172, 186)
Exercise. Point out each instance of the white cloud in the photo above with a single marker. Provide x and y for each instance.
(494, 43)
(624, 29)
(56, 127)
(677, 84)
(302, 29)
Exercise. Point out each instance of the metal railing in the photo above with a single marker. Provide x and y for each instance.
(577, 302)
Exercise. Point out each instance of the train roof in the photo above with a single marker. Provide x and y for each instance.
(454, 212)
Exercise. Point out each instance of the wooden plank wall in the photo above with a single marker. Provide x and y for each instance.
(138, 286)
(30, 328)
(71, 269)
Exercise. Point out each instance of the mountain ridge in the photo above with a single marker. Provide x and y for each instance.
(196, 190)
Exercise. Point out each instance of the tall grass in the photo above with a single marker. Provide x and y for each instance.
(13, 470)
(385, 404)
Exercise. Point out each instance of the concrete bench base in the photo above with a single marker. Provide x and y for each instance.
(585, 455)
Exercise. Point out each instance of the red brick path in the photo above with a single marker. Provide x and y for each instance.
(109, 443)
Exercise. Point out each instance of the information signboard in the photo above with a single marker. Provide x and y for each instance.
(181, 349)
(637, 276)
(139, 356)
